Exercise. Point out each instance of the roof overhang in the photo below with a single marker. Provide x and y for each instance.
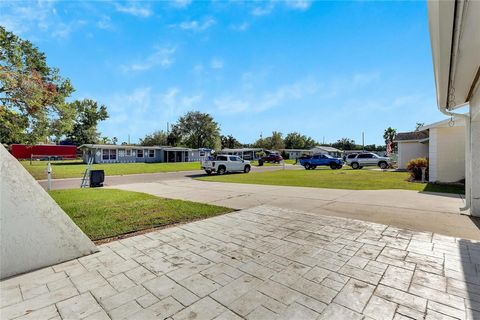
(455, 39)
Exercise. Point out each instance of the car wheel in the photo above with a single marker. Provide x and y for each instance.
(209, 172)
(339, 166)
(355, 166)
(383, 165)
(246, 169)
(307, 166)
(333, 166)
(221, 170)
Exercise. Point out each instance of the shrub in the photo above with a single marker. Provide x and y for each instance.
(415, 166)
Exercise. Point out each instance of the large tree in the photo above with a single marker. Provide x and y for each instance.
(157, 138)
(344, 144)
(32, 94)
(197, 130)
(88, 114)
(230, 142)
(274, 142)
(295, 140)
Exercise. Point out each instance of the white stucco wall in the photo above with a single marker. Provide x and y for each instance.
(410, 150)
(447, 154)
(475, 153)
(34, 231)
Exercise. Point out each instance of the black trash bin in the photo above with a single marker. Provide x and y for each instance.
(97, 177)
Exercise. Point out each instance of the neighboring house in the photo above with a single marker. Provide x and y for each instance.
(411, 145)
(244, 153)
(296, 153)
(334, 152)
(455, 43)
(446, 150)
(107, 153)
(442, 143)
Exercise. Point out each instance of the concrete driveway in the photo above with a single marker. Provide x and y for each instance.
(260, 263)
(401, 208)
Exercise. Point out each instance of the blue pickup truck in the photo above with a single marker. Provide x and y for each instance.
(311, 162)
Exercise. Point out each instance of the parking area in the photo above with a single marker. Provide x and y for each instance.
(260, 263)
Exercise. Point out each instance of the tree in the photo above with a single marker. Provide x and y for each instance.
(88, 114)
(345, 144)
(418, 125)
(295, 140)
(230, 142)
(157, 138)
(32, 94)
(389, 134)
(114, 140)
(274, 142)
(197, 130)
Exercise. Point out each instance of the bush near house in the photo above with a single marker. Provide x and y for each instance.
(415, 168)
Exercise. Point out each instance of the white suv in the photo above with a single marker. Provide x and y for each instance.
(368, 159)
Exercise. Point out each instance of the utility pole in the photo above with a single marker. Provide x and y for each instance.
(128, 138)
(363, 140)
(168, 127)
(323, 139)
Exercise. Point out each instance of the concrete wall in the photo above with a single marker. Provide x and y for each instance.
(410, 150)
(475, 153)
(447, 154)
(35, 231)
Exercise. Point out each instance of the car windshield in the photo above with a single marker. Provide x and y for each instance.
(328, 156)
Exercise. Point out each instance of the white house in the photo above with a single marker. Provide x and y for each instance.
(296, 153)
(334, 152)
(411, 145)
(455, 41)
(442, 143)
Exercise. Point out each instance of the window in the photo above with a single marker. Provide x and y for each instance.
(222, 158)
(365, 156)
(109, 154)
(151, 153)
(202, 153)
(128, 152)
(121, 153)
(105, 154)
(140, 153)
(315, 157)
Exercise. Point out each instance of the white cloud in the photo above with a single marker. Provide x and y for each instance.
(181, 3)
(105, 23)
(162, 57)
(21, 17)
(216, 63)
(267, 100)
(299, 4)
(197, 26)
(134, 9)
(240, 27)
(263, 10)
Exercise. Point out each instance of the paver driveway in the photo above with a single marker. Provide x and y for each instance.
(260, 263)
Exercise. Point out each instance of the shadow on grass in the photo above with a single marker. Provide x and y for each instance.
(444, 188)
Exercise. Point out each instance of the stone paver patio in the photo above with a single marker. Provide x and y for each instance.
(260, 263)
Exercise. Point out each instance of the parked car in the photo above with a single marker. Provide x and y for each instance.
(310, 163)
(225, 163)
(272, 157)
(368, 159)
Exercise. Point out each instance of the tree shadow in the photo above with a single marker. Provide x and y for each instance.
(469, 252)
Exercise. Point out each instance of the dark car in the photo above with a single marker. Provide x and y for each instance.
(272, 157)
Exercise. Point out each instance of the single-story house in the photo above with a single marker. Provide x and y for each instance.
(109, 153)
(334, 152)
(411, 145)
(244, 153)
(296, 153)
(442, 143)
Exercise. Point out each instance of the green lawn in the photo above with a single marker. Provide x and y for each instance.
(76, 168)
(104, 213)
(335, 179)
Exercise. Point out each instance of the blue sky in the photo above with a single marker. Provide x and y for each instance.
(325, 69)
